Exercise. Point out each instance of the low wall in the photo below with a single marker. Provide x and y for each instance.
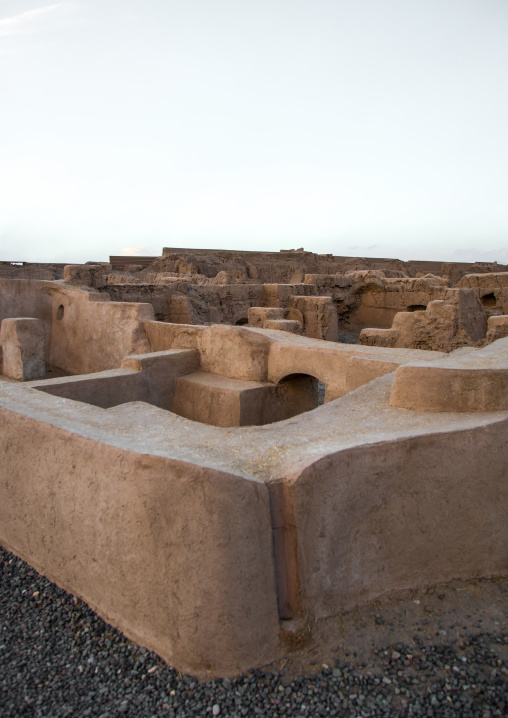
(151, 378)
(414, 512)
(176, 555)
(474, 381)
(195, 540)
(341, 368)
(256, 354)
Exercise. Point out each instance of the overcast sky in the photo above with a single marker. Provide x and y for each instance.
(358, 127)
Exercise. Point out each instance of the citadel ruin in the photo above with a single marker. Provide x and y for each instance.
(215, 449)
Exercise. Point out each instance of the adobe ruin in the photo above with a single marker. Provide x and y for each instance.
(217, 449)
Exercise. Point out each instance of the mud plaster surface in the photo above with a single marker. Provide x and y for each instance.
(261, 453)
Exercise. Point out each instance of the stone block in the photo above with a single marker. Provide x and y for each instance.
(221, 401)
(22, 341)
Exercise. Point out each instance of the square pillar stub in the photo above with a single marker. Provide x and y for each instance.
(22, 340)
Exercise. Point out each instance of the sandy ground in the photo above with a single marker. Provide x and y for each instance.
(443, 614)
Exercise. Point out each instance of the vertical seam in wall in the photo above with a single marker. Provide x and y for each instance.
(285, 553)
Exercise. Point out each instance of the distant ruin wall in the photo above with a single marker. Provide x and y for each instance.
(27, 298)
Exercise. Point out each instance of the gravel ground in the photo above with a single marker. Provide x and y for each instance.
(57, 658)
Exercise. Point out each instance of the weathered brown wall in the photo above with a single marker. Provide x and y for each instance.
(404, 513)
(94, 334)
(177, 556)
(491, 288)
(340, 367)
(380, 301)
(27, 298)
(188, 303)
(166, 527)
(474, 381)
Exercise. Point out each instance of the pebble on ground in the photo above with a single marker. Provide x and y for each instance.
(57, 658)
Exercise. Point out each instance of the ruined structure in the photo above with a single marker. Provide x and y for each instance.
(175, 468)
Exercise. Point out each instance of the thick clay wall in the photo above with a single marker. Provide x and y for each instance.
(89, 333)
(339, 371)
(178, 556)
(150, 378)
(404, 513)
(84, 331)
(195, 540)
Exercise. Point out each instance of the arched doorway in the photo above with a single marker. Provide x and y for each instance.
(300, 392)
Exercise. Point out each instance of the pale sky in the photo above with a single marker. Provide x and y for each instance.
(357, 127)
